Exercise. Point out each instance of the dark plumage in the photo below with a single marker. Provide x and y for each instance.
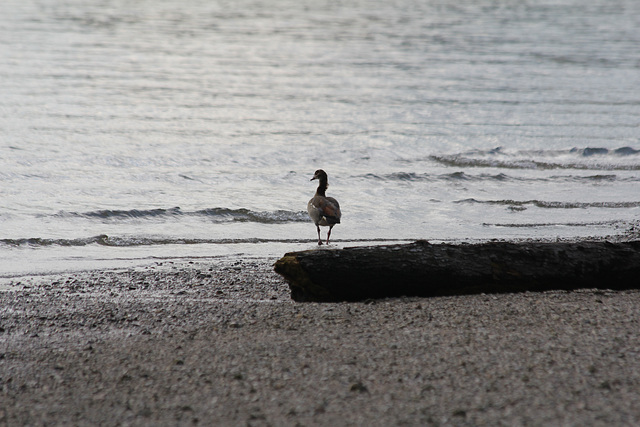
(324, 211)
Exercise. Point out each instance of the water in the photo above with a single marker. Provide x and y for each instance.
(138, 131)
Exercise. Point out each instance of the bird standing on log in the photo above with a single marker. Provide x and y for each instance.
(324, 211)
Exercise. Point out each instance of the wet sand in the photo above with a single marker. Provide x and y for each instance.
(221, 343)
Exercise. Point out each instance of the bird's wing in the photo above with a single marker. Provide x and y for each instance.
(329, 207)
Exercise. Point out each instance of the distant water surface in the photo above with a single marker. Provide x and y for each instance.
(147, 130)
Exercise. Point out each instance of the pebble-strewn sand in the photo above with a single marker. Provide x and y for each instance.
(221, 343)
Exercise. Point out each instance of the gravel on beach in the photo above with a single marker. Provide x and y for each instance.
(220, 342)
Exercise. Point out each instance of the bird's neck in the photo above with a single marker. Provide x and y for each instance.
(322, 188)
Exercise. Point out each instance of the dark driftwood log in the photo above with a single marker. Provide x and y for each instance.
(423, 269)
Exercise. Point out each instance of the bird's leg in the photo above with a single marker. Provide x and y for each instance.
(319, 239)
(329, 234)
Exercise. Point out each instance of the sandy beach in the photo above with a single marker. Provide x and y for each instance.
(221, 343)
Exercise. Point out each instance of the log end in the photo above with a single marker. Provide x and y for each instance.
(303, 289)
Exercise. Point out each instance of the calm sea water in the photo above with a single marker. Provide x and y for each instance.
(136, 131)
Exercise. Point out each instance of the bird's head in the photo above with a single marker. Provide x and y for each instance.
(319, 174)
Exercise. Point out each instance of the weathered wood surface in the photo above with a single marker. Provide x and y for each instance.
(423, 269)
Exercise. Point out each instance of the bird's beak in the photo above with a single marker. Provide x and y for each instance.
(314, 177)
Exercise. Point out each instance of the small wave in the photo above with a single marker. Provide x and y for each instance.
(553, 224)
(575, 158)
(399, 176)
(592, 151)
(407, 176)
(597, 178)
(246, 215)
(501, 177)
(584, 152)
(120, 241)
(522, 204)
(461, 161)
(454, 176)
(132, 241)
(463, 176)
(39, 242)
(132, 213)
(214, 214)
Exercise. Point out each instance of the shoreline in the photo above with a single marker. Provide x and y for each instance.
(21, 265)
(221, 342)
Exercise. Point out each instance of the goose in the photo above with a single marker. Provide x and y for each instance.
(324, 211)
